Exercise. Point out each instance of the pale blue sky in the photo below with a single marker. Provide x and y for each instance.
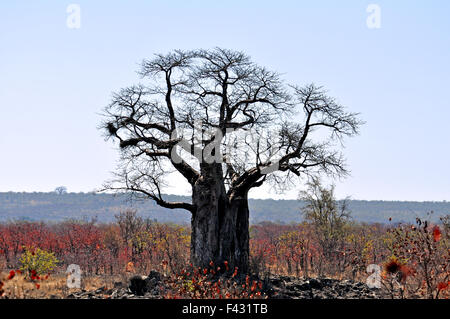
(54, 81)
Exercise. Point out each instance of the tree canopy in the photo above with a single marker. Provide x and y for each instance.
(217, 105)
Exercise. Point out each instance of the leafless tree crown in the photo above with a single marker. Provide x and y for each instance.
(262, 128)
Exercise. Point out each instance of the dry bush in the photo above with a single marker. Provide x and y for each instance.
(423, 250)
(420, 252)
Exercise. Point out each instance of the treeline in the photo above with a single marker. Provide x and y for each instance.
(59, 207)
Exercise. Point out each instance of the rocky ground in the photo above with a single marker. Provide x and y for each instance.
(295, 288)
(138, 287)
(280, 287)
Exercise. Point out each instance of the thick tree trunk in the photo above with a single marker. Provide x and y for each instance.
(220, 227)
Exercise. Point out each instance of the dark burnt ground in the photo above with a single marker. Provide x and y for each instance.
(275, 287)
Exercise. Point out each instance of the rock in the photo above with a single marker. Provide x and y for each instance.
(315, 283)
(328, 282)
(154, 275)
(360, 285)
(109, 292)
(152, 282)
(118, 284)
(100, 290)
(304, 286)
(138, 285)
(276, 281)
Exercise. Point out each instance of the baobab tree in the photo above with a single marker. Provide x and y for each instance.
(226, 125)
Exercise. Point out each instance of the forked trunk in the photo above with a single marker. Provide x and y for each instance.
(220, 227)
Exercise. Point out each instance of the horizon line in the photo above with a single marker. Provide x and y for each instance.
(253, 198)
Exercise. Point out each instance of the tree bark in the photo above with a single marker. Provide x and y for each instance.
(220, 226)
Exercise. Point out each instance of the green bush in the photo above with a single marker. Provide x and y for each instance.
(37, 261)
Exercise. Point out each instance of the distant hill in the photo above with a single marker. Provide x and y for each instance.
(54, 207)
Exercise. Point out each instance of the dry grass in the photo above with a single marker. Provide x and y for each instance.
(55, 286)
